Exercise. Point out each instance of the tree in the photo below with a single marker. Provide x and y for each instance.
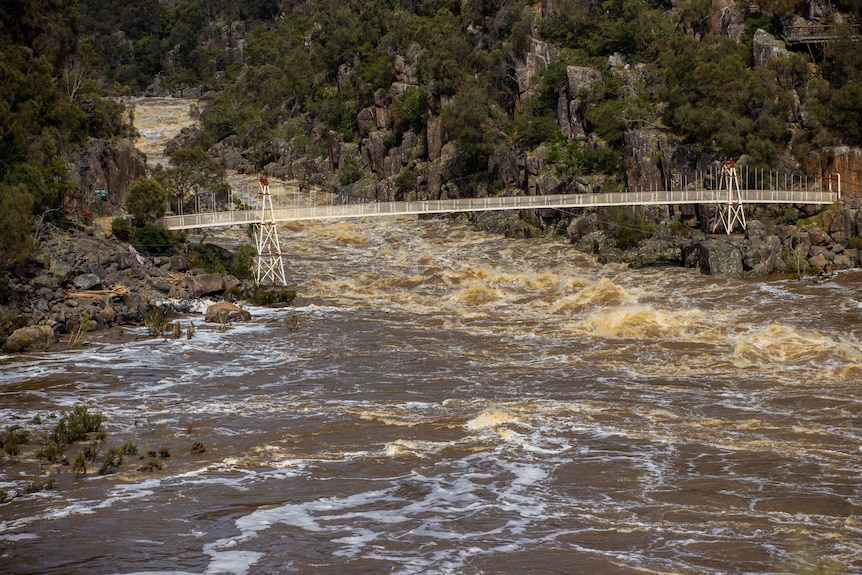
(192, 171)
(146, 200)
(16, 221)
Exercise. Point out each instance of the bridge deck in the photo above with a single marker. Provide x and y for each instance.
(558, 201)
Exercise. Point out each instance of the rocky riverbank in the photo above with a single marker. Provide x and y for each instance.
(819, 241)
(81, 273)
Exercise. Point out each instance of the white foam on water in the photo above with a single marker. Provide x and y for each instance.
(15, 537)
(360, 523)
(229, 561)
(169, 572)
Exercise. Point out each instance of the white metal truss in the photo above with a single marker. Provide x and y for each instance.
(731, 212)
(270, 267)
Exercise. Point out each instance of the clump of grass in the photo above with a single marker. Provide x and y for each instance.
(152, 464)
(129, 448)
(12, 440)
(72, 427)
(156, 322)
(198, 448)
(38, 483)
(77, 335)
(190, 330)
(176, 330)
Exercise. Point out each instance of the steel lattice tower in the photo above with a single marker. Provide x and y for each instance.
(730, 213)
(270, 267)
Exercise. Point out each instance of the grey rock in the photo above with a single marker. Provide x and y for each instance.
(86, 282)
(37, 336)
(205, 284)
(231, 312)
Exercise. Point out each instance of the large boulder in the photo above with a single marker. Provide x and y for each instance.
(226, 311)
(35, 336)
(205, 284)
(716, 257)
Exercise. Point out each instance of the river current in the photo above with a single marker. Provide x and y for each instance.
(440, 400)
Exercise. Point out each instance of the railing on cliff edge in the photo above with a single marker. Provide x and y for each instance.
(820, 34)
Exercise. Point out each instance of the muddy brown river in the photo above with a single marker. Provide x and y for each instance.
(444, 401)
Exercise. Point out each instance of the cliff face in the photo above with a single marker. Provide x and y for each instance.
(847, 162)
(104, 165)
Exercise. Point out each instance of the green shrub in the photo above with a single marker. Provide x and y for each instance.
(12, 440)
(152, 464)
(75, 425)
(212, 259)
(351, 172)
(122, 229)
(405, 183)
(79, 467)
(409, 112)
(263, 296)
(155, 241)
(626, 227)
(113, 460)
(156, 322)
(52, 452)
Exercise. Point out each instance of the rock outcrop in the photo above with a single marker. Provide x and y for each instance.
(82, 273)
(105, 165)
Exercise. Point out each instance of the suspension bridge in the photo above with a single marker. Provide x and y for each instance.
(728, 196)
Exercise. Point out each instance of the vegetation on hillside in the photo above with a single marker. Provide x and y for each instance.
(51, 104)
(278, 67)
(296, 70)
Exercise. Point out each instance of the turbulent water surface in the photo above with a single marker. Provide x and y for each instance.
(440, 400)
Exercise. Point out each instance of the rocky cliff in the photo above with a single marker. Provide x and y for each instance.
(103, 165)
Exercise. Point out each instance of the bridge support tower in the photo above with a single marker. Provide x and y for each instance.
(730, 213)
(269, 266)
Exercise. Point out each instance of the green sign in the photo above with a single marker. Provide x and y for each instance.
(102, 195)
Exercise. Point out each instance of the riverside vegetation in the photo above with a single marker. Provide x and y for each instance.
(39, 444)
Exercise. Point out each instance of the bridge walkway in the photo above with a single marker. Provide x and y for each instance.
(557, 201)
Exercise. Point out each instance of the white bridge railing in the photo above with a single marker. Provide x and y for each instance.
(557, 201)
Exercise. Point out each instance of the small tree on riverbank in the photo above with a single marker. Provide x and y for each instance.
(146, 200)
